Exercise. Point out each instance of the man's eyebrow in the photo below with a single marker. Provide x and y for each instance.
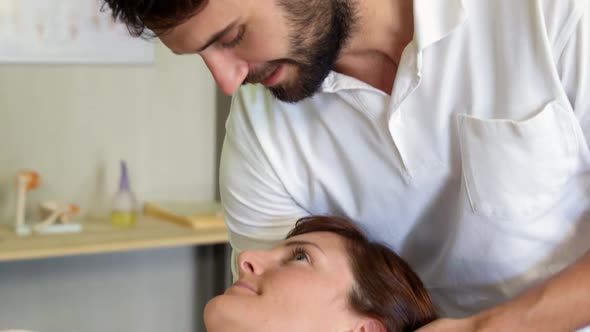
(217, 36)
(303, 243)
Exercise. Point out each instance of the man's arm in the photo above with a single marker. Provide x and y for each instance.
(257, 208)
(560, 304)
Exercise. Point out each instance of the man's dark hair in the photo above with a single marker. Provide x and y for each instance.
(159, 16)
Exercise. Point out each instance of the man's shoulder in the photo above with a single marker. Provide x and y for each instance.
(250, 107)
(257, 114)
(253, 97)
(255, 106)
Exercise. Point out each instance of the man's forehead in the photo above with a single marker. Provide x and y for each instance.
(194, 33)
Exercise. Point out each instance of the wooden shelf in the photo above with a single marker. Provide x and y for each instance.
(99, 236)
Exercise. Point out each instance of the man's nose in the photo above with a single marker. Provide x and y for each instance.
(228, 70)
(252, 262)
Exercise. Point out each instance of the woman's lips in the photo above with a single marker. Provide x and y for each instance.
(245, 285)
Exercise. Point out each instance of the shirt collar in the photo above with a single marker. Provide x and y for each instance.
(433, 20)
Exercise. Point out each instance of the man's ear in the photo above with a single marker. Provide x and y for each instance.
(370, 325)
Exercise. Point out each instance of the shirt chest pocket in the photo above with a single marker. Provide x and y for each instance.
(516, 170)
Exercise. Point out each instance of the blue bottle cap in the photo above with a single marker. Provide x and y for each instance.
(124, 180)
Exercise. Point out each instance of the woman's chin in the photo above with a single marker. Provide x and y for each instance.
(224, 312)
(211, 315)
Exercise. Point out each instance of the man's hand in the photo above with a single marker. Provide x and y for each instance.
(562, 303)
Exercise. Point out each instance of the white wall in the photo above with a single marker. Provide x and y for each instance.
(73, 124)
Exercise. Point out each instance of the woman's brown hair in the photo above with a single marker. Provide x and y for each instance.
(386, 288)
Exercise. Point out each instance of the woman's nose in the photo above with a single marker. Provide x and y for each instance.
(251, 262)
(228, 70)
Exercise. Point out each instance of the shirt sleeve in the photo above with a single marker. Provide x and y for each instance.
(257, 208)
(574, 65)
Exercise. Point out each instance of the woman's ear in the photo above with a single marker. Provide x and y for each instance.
(370, 325)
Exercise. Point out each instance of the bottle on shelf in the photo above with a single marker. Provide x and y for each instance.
(125, 207)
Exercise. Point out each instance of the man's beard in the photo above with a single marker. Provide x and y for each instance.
(319, 31)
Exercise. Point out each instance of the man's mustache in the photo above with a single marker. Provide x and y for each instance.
(262, 73)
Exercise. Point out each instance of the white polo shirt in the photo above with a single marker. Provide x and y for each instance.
(474, 169)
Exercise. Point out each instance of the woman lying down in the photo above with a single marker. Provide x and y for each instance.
(325, 277)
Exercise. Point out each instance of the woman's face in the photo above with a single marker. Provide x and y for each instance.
(300, 285)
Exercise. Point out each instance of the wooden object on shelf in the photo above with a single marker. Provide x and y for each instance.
(199, 216)
(99, 236)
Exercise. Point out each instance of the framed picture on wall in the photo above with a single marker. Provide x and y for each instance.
(66, 31)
